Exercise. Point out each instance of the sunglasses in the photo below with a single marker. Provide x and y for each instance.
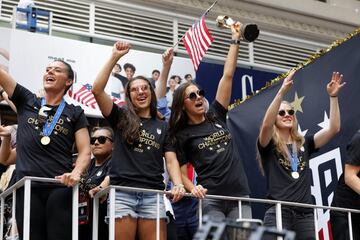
(100, 139)
(137, 89)
(283, 112)
(193, 95)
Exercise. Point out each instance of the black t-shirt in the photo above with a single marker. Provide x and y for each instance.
(94, 175)
(344, 195)
(280, 184)
(140, 164)
(33, 158)
(209, 147)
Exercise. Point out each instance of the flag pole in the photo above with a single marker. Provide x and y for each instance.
(206, 12)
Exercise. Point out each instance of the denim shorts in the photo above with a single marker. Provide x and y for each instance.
(137, 205)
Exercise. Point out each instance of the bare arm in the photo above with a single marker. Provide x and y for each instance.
(7, 155)
(173, 168)
(223, 93)
(167, 59)
(82, 141)
(198, 191)
(7, 82)
(102, 98)
(9, 102)
(266, 129)
(351, 178)
(325, 135)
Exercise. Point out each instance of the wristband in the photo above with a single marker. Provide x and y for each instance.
(333, 96)
(179, 185)
(236, 42)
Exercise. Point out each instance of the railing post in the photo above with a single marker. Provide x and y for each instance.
(95, 222)
(200, 212)
(240, 212)
(13, 208)
(75, 213)
(27, 199)
(158, 216)
(112, 214)
(2, 216)
(350, 226)
(278, 217)
(316, 224)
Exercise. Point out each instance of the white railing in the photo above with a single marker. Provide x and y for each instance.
(26, 183)
(111, 191)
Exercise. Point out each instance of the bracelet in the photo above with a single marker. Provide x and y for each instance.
(100, 187)
(236, 42)
(334, 96)
(179, 185)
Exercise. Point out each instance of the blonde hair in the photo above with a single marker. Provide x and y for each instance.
(280, 144)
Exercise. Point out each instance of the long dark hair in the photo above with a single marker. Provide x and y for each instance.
(129, 123)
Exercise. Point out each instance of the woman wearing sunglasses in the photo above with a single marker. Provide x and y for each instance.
(92, 181)
(284, 157)
(140, 143)
(203, 139)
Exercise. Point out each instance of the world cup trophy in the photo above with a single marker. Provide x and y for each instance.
(249, 31)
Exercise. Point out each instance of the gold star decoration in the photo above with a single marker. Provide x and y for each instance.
(296, 104)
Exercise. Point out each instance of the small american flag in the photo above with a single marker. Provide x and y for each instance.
(84, 96)
(197, 40)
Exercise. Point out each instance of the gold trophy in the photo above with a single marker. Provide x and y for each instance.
(249, 31)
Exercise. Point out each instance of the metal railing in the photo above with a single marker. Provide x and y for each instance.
(26, 183)
(279, 226)
(111, 190)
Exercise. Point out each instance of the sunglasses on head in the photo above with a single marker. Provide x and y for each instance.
(100, 139)
(137, 89)
(193, 95)
(283, 112)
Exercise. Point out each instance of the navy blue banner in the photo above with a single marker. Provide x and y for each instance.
(310, 97)
(245, 80)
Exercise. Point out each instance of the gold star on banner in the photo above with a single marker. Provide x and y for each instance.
(296, 104)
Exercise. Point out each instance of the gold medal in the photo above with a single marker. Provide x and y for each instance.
(295, 175)
(45, 140)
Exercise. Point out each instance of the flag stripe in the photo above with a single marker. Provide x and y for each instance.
(197, 41)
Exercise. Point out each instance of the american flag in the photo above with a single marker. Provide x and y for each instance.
(197, 40)
(84, 96)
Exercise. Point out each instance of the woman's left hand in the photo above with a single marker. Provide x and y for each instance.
(334, 86)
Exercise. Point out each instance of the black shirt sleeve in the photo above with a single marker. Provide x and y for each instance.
(21, 96)
(219, 111)
(80, 118)
(114, 116)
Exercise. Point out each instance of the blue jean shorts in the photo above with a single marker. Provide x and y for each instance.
(137, 205)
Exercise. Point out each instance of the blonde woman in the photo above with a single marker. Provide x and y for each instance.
(284, 157)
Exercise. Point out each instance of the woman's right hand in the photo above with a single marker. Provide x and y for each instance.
(121, 48)
(288, 82)
(5, 131)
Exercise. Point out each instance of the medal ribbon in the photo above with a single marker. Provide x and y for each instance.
(48, 128)
(294, 158)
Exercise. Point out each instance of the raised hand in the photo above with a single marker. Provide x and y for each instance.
(121, 48)
(335, 84)
(168, 57)
(236, 31)
(288, 82)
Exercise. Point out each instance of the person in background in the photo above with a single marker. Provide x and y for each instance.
(347, 194)
(129, 71)
(154, 77)
(48, 127)
(188, 77)
(284, 154)
(117, 82)
(203, 139)
(140, 144)
(170, 93)
(101, 141)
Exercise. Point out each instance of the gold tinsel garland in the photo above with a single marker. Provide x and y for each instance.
(299, 66)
